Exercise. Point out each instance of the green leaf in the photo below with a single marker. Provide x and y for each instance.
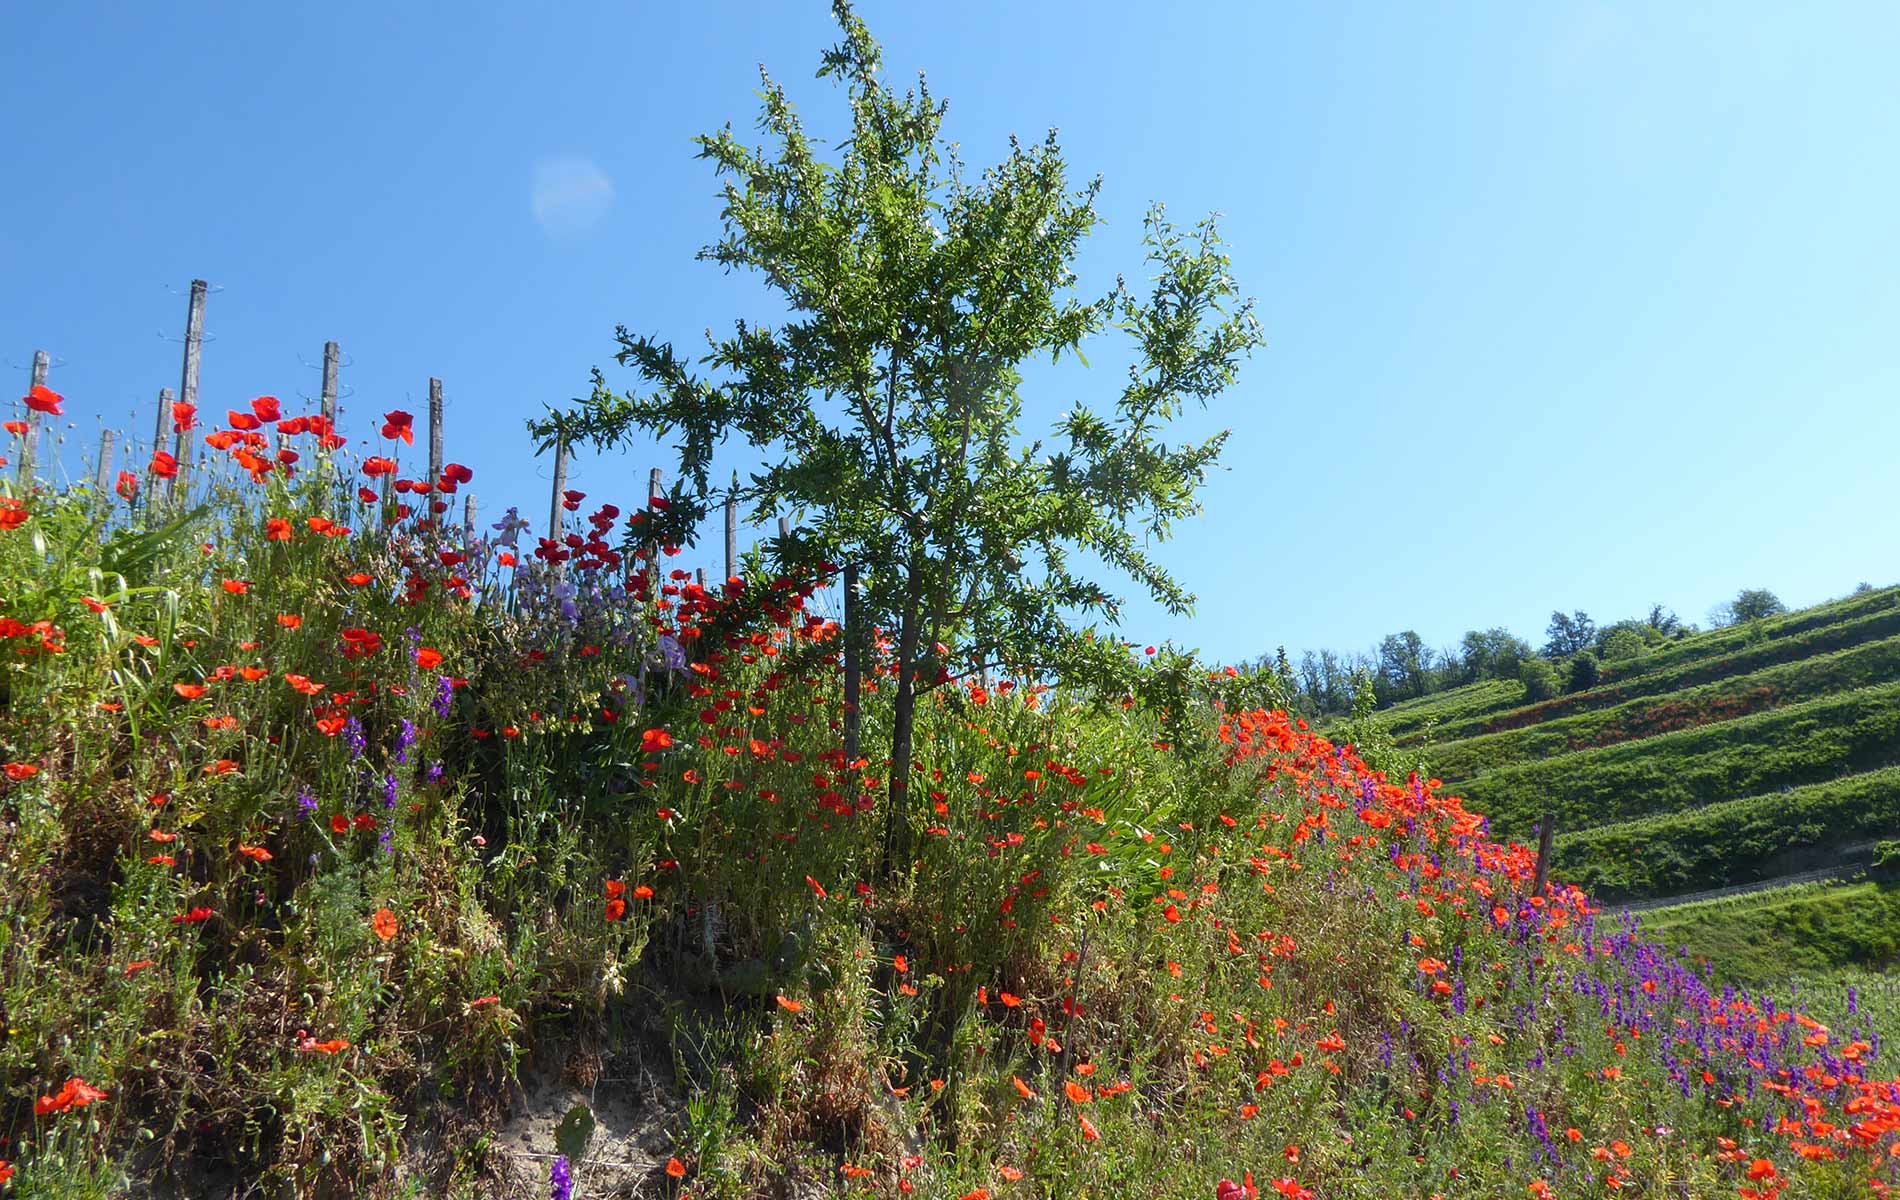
(574, 1132)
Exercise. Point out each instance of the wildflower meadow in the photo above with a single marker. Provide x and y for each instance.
(334, 817)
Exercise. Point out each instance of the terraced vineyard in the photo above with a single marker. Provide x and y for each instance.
(1758, 764)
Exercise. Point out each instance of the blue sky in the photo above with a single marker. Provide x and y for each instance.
(1579, 306)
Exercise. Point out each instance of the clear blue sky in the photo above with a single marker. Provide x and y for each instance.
(1568, 305)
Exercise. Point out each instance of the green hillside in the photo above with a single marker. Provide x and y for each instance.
(1763, 757)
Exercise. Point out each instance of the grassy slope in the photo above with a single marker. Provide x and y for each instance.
(1803, 743)
(1766, 936)
(1497, 705)
(1735, 696)
(1733, 841)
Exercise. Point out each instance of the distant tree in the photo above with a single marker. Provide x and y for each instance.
(1621, 643)
(1492, 654)
(1402, 664)
(1448, 668)
(1539, 679)
(1755, 604)
(1336, 682)
(1663, 621)
(1862, 588)
(1584, 671)
(1567, 635)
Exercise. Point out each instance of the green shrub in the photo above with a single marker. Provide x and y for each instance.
(1538, 677)
(1623, 644)
(1583, 672)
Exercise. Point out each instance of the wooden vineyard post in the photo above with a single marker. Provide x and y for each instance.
(29, 443)
(435, 430)
(104, 477)
(1544, 835)
(732, 529)
(332, 353)
(188, 382)
(655, 481)
(560, 485)
(152, 482)
(468, 520)
(332, 356)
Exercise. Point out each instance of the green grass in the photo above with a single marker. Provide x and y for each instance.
(1734, 841)
(1237, 936)
(1735, 696)
(1719, 642)
(1803, 743)
(1765, 937)
(1498, 705)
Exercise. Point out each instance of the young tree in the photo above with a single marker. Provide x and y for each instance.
(1568, 634)
(1663, 621)
(1492, 654)
(1755, 604)
(887, 404)
(1402, 665)
(1539, 679)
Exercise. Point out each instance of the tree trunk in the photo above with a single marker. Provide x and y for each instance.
(903, 719)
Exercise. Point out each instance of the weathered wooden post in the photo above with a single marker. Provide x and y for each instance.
(560, 485)
(655, 482)
(103, 479)
(188, 383)
(732, 529)
(468, 520)
(332, 353)
(152, 482)
(29, 443)
(435, 429)
(164, 419)
(1544, 835)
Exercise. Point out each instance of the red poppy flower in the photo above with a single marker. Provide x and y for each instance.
(267, 409)
(428, 659)
(398, 424)
(383, 924)
(43, 399)
(654, 740)
(164, 466)
(377, 466)
(77, 1093)
(184, 417)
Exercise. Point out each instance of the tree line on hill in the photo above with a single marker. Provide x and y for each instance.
(1403, 667)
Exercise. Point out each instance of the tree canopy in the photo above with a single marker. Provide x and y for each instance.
(887, 406)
